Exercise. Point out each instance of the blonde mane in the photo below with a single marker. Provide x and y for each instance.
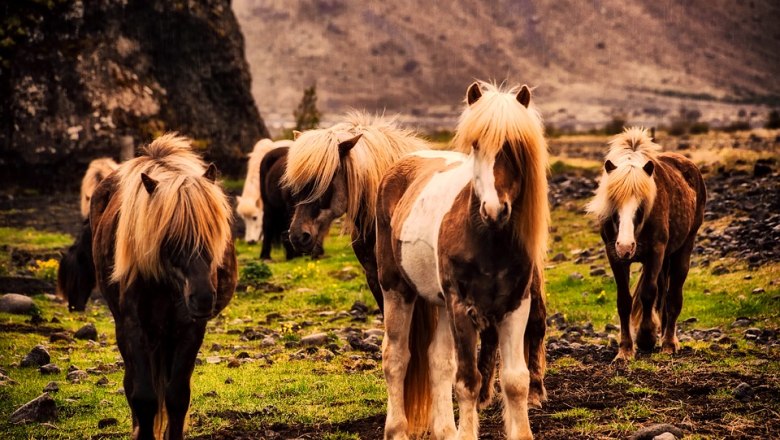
(495, 119)
(186, 211)
(249, 203)
(98, 170)
(629, 152)
(314, 159)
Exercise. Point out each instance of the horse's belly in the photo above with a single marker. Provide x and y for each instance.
(419, 234)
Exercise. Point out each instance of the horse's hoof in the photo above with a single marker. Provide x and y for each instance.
(624, 355)
(536, 397)
(670, 347)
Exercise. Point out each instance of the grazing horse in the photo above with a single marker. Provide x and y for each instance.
(336, 171)
(278, 206)
(165, 263)
(249, 204)
(650, 206)
(76, 272)
(461, 243)
(98, 170)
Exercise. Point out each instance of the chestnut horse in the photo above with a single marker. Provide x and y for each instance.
(461, 244)
(336, 171)
(249, 205)
(98, 170)
(650, 206)
(165, 263)
(278, 206)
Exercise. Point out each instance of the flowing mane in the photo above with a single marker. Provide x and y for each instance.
(314, 159)
(491, 122)
(247, 204)
(629, 152)
(98, 170)
(186, 210)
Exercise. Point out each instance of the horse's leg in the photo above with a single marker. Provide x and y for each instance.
(535, 347)
(679, 264)
(177, 392)
(364, 251)
(621, 272)
(663, 288)
(142, 397)
(647, 289)
(395, 359)
(441, 354)
(468, 379)
(515, 377)
(269, 228)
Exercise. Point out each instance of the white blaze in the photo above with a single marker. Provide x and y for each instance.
(626, 243)
(485, 187)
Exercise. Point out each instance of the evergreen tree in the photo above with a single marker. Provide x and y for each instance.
(306, 115)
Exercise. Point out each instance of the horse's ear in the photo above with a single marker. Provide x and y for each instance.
(211, 172)
(524, 96)
(473, 93)
(609, 166)
(149, 183)
(347, 145)
(649, 167)
(296, 134)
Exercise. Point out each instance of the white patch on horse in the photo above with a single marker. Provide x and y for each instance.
(420, 231)
(626, 243)
(485, 186)
(450, 157)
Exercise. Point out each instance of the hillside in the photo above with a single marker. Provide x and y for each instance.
(590, 61)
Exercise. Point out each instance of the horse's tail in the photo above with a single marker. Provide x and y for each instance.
(486, 364)
(417, 384)
(76, 272)
(161, 418)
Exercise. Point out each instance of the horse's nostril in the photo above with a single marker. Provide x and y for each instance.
(305, 238)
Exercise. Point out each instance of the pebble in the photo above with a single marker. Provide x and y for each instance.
(576, 276)
(650, 432)
(60, 336)
(76, 376)
(41, 409)
(37, 357)
(560, 256)
(743, 392)
(105, 423)
(49, 369)
(103, 381)
(51, 387)
(597, 272)
(213, 360)
(88, 332)
(16, 304)
(315, 339)
(758, 290)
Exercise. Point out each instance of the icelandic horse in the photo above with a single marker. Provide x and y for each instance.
(165, 263)
(650, 206)
(461, 244)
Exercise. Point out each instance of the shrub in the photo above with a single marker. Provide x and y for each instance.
(615, 126)
(306, 115)
(46, 270)
(255, 273)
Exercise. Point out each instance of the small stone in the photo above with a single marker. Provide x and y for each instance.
(649, 432)
(359, 306)
(103, 381)
(216, 347)
(741, 322)
(611, 328)
(72, 368)
(598, 272)
(743, 392)
(560, 256)
(758, 290)
(105, 423)
(49, 369)
(272, 316)
(690, 320)
(720, 270)
(315, 339)
(51, 387)
(41, 409)
(665, 436)
(268, 341)
(576, 276)
(88, 332)
(16, 304)
(37, 357)
(60, 336)
(228, 381)
(234, 363)
(76, 376)
(213, 360)
(210, 394)
(243, 355)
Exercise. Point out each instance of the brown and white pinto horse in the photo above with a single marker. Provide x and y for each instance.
(337, 170)
(165, 263)
(650, 206)
(461, 243)
(98, 170)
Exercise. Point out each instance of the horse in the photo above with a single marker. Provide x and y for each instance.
(98, 170)
(650, 206)
(336, 171)
(76, 272)
(461, 245)
(279, 206)
(165, 263)
(249, 204)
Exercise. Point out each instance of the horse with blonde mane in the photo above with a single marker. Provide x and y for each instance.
(165, 263)
(650, 206)
(336, 171)
(98, 170)
(249, 204)
(461, 245)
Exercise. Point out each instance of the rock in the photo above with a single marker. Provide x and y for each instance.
(752, 333)
(51, 387)
(560, 256)
(37, 357)
(76, 376)
(315, 339)
(268, 341)
(49, 369)
(211, 394)
(611, 328)
(16, 304)
(691, 320)
(743, 392)
(361, 345)
(598, 271)
(41, 409)
(720, 270)
(359, 306)
(665, 436)
(88, 332)
(103, 381)
(649, 432)
(213, 360)
(60, 336)
(72, 368)
(378, 332)
(105, 423)
(272, 316)
(234, 363)
(741, 322)
(761, 170)
(758, 290)
(228, 381)
(576, 276)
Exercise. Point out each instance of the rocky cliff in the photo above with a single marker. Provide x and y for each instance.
(78, 79)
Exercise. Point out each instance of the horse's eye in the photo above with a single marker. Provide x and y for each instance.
(254, 217)
(615, 218)
(475, 146)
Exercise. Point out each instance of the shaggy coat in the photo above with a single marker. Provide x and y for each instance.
(98, 170)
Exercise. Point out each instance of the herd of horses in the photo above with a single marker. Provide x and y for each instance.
(453, 244)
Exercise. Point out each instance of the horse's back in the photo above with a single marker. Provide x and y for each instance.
(416, 194)
(690, 174)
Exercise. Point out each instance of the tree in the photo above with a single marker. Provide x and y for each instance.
(306, 115)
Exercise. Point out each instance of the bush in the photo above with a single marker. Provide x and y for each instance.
(255, 273)
(615, 126)
(306, 115)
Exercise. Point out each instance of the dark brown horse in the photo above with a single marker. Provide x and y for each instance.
(650, 206)
(165, 263)
(76, 272)
(336, 171)
(461, 243)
